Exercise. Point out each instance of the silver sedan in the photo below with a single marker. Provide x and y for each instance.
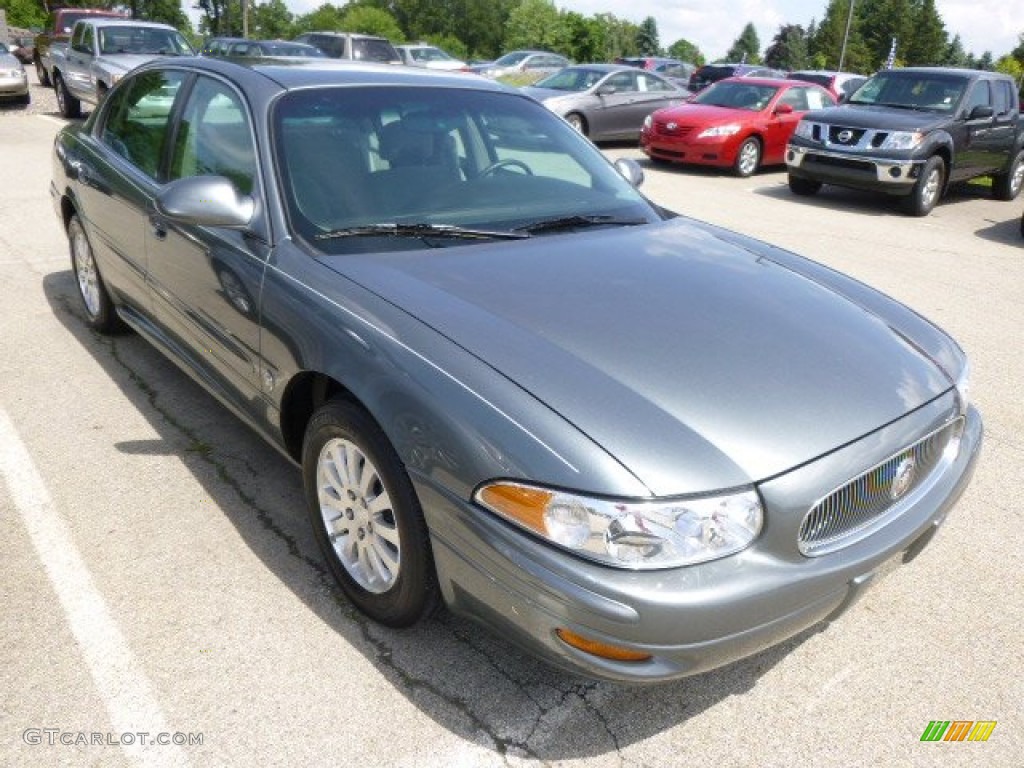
(606, 101)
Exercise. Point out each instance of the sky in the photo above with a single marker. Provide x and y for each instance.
(713, 25)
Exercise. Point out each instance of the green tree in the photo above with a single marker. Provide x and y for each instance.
(826, 44)
(588, 37)
(271, 19)
(684, 50)
(647, 38)
(929, 41)
(24, 13)
(220, 17)
(1018, 52)
(955, 55)
(327, 17)
(536, 24)
(620, 37)
(746, 47)
(880, 22)
(164, 11)
(368, 20)
(1009, 65)
(985, 62)
(788, 49)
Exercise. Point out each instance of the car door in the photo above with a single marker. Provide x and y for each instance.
(206, 280)
(782, 122)
(975, 152)
(78, 72)
(117, 180)
(616, 97)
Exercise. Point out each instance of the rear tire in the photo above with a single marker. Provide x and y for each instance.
(928, 188)
(803, 187)
(1006, 186)
(70, 107)
(366, 517)
(42, 75)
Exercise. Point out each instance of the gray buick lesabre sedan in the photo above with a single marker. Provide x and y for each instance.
(638, 445)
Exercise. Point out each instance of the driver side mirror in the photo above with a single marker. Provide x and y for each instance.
(205, 201)
(981, 112)
(606, 90)
(630, 170)
(783, 109)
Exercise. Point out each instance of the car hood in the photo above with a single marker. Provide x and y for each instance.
(864, 116)
(704, 114)
(695, 361)
(549, 94)
(127, 61)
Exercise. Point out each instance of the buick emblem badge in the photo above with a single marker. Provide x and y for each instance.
(903, 479)
(845, 136)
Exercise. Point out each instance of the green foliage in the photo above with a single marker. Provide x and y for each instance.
(647, 38)
(788, 50)
(1009, 65)
(371, 21)
(449, 44)
(327, 18)
(164, 11)
(928, 42)
(536, 24)
(684, 50)
(271, 20)
(24, 13)
(825, 45)
(746, 47)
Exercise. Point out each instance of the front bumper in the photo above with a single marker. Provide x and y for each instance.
(689, 619)
(719, 152)
(882, 174)
(12, 86)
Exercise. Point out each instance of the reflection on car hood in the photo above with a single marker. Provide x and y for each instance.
(704, 114)
(545, 94)
(697, 363)
(890, 118)
(128, 61)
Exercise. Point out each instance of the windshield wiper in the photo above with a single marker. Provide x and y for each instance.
(577, 222)
(421, 230)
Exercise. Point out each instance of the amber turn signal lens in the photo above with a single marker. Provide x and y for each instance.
(603, 650)
(526, 505)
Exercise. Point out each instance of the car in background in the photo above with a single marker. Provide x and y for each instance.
(13, 78)
(674, 69)
(741, 123)
(537, 63)
(636, 444)
(23, 49)
(606, 101)
(429, 57)
(349, 45)
(272, 48)
(218, 46)
(839, 84)
(712, 73)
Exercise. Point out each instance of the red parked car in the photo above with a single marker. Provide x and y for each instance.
(739, 122)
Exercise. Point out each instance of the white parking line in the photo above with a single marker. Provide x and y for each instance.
(119, 678)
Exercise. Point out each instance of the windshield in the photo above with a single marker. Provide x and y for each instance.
(928, 91)
(148, 40)
(291, 49)
(510, 59)
(571, 79)
(737, 95)
(391, 164)
(429, 54)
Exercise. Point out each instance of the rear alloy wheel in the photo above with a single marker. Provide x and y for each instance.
(1006, 186)
(803, 187)
(576, 121)
(69, 106)
(99, 309)
(366, 517)
(927, 189)
(748, 158)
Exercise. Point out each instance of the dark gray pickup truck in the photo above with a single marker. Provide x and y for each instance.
(910, 133)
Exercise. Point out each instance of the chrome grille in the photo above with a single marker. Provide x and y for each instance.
(851, 512)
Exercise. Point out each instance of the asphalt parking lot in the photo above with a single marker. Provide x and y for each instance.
(159, 577)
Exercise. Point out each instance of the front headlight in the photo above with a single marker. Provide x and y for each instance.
(805, 130)
(902, 140)
(719, 130)
(648, 122)
(631, 534)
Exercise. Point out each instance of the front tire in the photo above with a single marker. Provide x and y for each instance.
(927, 189)
(577, 121)
(69, 106)
(748, 158)
(42, 75)
(1006, 186)
(366, 517)
(100, 314)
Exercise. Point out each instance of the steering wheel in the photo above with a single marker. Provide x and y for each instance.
(509, 162)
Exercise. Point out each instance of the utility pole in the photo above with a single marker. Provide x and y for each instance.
(846, 36)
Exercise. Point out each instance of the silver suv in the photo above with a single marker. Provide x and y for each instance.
(349, 45)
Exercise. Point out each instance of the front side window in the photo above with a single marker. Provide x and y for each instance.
(355, 159)
(137, 116)
(215, 137)
(980, 96)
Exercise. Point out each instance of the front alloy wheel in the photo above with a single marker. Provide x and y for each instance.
(748, 158)
(366, 517)
(928, 188)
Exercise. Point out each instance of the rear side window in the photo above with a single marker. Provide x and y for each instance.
(369, 49)
(137, 116)
(1003, 101)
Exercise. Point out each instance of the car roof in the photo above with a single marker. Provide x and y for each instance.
(335, 33)
(301, 73)
(103, 21)
(773, 81)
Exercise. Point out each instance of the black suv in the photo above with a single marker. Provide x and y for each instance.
(349, 45)
(910, 133)
(712, 73)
